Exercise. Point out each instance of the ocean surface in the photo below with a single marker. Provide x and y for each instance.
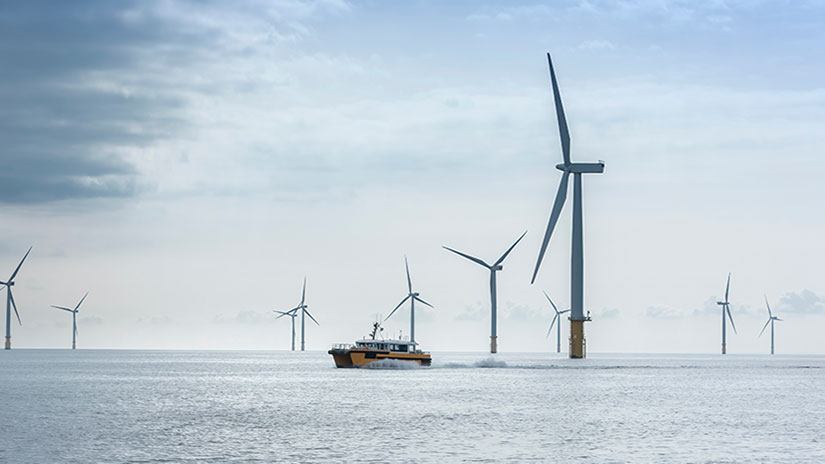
(93, 406)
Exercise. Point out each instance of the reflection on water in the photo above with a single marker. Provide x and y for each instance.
(176, 406)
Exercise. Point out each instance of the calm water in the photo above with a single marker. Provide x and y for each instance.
(174, 406)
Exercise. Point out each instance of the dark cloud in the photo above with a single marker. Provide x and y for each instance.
(66, 116)
(805, 302)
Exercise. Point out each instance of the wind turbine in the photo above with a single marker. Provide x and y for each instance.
(493, 269)
(726, 309)
(771, 319)
(577, 317)
(74, 318)
(292, 313)
(10, 300)
(303, 309)
(558, 327)
(413, 297)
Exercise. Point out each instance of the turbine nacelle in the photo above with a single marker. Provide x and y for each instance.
(582, 168)
(497, 267)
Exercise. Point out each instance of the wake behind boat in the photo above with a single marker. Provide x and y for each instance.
(368, 350)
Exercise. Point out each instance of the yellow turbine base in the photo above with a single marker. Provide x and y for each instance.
(577, 343)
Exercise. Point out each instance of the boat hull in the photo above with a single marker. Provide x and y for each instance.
(361, 357)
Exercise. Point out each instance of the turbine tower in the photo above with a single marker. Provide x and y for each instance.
(726, 309)
(495, 267)
(558, 327)
(413, 297)
(577, 316)
(304, 312)
(771, 320)
(74, 318)
(292, 313)
(10, 300)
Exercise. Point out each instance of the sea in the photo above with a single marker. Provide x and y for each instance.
(118, 406)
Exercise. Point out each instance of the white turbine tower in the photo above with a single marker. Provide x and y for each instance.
(726, 309)
(493, 269)
(10, 300)
(74, 312)
(558, 326)
(304, 312)
(771, 320)
(292, 313)
(577, 317)
(413, 297)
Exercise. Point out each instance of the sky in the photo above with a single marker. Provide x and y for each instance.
(189, 163)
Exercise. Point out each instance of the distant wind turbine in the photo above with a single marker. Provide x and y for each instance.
(493, 269)
(577, 317)
(726, 309)
(771, 320)
(304, 312)
(292, 313)
(413, 297)
(558, 326)
(10, 300)
(74, 318)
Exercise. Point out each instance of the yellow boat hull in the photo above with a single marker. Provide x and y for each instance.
(359, 357)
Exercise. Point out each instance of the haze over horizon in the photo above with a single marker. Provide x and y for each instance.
(188, 163)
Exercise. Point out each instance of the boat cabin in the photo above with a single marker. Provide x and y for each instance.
(397, 346)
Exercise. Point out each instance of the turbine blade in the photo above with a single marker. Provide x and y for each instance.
(310, 316)
(551, 325)
(565, 311)
(471, 258)
(769, 306)
(765, 327)
(422, 301)
(290, 313)
(778, 319)
(727, 308)
(561, 196)
(304, 292)
(14, 305)
(14, 274)
(81, 301)
(551, 302)
(409, 281)
(399, 305)
(63, 308)
(564, 134)
(727, 288)
(501, 260)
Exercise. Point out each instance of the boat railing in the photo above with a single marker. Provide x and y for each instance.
(342, 346)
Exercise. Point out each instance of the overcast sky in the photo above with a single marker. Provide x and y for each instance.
(188, 163)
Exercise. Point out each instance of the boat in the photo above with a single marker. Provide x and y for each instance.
(375, 349)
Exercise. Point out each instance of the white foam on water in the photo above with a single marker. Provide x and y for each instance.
(392, 364)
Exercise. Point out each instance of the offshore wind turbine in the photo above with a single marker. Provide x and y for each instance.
(771, 320)
(495, 267)
(292, 313)
(726, 309)
(10, 300)
(558, 327)
(304, 312)
(413, 297)
(74, 318)
(577, 316)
